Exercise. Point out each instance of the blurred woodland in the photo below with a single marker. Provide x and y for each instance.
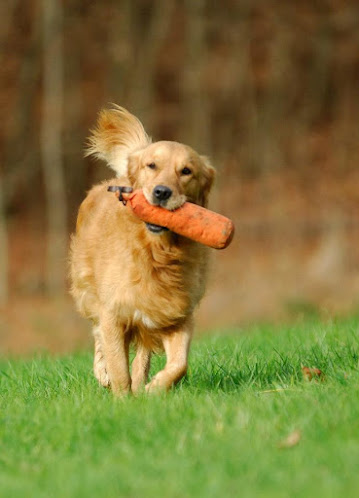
(268, 89)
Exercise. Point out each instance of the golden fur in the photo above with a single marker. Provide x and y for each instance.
(135, 285)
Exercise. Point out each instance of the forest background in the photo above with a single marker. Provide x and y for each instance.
(267, 89)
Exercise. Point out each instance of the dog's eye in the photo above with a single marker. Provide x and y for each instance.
(151, 166)
(186, 171)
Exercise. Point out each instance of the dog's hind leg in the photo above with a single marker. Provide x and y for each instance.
(140, 368)
(99, 363)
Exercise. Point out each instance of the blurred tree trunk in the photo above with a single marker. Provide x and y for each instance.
(121, 56)
(51, 145)
(144, 70)
(73, 136)
(196, 108)
(315, 95)
(20, 155)
(238, 96)
(3, 249)
(345, 134)
(7, 9)
(272, 105)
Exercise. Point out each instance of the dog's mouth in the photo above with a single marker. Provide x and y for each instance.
(156, 228)
(174, 202)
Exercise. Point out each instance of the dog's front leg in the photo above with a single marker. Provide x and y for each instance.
(115, 349)
(176, 344)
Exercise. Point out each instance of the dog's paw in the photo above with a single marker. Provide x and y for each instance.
(100, 372)
(155, 386)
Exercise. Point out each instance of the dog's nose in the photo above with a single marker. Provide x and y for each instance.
(162, 193)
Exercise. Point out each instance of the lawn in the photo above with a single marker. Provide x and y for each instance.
(244, 422)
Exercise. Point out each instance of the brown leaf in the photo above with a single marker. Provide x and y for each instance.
(291, 440)
(312, 373)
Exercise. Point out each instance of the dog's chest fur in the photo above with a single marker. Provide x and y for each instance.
(167, 282)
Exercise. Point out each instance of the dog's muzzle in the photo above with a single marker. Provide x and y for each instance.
(161, 194)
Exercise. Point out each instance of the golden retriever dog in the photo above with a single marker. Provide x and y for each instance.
(135, 281)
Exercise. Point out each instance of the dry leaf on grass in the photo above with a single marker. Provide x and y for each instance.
(291, 440)
(312, 373)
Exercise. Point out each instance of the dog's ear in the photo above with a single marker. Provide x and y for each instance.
(207, 180)
(118, 134)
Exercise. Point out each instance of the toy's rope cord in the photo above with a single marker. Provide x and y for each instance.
(120, 190)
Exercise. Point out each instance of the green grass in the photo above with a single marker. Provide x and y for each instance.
(217, 434)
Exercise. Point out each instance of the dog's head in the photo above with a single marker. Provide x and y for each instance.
(169, 173)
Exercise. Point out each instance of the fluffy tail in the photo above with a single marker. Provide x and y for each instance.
(118, 133)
